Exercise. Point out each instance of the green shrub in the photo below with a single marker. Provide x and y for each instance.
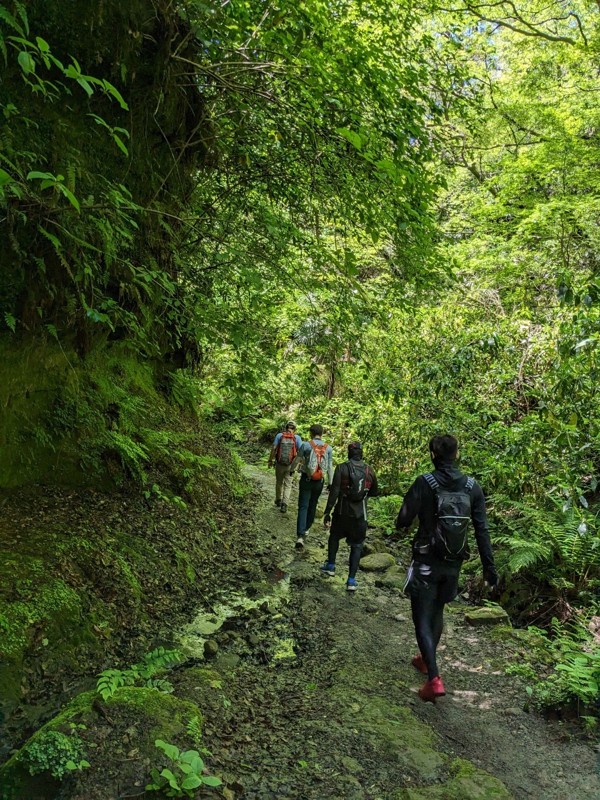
(185, 775)
(384, 510)
(56, 753)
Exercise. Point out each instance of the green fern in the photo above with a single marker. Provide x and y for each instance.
(110, 680)
(159, 660)
(561, 542)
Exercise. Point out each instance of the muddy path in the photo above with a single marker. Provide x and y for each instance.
(292, 688)
(334, 713)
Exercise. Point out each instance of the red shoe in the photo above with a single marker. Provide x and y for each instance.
(432, 689)
(418, 662)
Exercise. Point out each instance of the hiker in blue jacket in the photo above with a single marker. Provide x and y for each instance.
(445, 501)
(283, 453)
(315, 462)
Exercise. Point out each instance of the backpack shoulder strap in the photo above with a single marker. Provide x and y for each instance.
(349, 472)
(431, 481)
(469, 484)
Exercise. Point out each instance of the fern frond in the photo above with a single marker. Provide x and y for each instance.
(8, 18)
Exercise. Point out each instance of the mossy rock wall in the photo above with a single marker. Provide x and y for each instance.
(117, 499)
(97, 420)
(33, 376)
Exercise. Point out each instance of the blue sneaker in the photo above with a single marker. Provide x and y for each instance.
(328, 569)
(351, 585)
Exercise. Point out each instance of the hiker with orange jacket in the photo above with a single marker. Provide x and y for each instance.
(315, 461)
(282, 456)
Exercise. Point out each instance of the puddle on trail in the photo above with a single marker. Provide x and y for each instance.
(192, 636)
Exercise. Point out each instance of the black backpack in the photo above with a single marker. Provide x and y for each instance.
(360, 481)
(452, 516)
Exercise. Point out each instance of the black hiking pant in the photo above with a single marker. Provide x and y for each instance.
(354, 531)
(430, 587)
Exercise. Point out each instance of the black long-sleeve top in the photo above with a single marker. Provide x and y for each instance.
(345, 507)
(420, 502)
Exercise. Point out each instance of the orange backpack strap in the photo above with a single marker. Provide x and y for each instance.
(319, 449)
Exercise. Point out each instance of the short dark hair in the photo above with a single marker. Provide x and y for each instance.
(316, 430)
(444, 447)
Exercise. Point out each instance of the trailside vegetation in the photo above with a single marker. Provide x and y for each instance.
(379, 216)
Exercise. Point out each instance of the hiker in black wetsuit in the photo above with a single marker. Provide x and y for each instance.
(432, 579)
(353, 481)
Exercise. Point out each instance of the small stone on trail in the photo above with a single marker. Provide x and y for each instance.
(378, 562)
(400, 618)
(486, 616)
(211, 648)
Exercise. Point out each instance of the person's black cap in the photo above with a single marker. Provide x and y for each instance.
(355, 449)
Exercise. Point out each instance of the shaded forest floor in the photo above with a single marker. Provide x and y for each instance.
(309, 693)
(343, 719)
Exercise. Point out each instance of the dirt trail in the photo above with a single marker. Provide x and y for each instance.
(334, 713)
(295, 689)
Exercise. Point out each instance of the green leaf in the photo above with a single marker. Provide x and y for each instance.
(211, 780)
(69, 195)
(23, 15)
(4, 178)
(10, 321)
(354, 138)
(191, 782)
(170, 777)
(26, 62)
(32, 176)
(120, 144)
(168, 749)
(10, 20)
(86, 86)
(51, 238)
(189, 756)
(114, 92)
